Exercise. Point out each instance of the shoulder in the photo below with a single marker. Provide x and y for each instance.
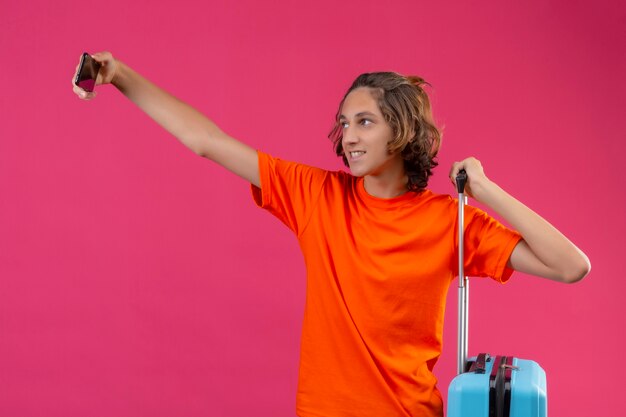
(438, 202)
(268, 162)
(448, 203)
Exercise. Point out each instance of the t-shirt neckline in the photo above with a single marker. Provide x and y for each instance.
(380, 202)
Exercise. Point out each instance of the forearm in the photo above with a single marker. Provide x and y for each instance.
(187, 124)
(561, 259)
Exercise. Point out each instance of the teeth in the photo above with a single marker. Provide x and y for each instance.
(356, 154)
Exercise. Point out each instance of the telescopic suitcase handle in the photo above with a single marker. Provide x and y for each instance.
(461, 180)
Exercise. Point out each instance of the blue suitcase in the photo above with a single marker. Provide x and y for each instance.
(500, 386)
(486, 386)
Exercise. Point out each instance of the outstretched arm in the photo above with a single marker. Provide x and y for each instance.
(544, 251)
(188, 125)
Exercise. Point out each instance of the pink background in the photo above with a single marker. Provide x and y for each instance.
(137, 279)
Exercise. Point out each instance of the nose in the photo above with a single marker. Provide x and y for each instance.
(349, 135)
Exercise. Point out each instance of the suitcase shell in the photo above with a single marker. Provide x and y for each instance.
(468, 393)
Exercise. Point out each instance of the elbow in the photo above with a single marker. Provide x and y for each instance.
(578, 270)
(196, 143)
(201, 152)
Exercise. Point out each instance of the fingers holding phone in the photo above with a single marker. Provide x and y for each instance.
(91, 71)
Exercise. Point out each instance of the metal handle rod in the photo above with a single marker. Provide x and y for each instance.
(463, 296)
(461, 179)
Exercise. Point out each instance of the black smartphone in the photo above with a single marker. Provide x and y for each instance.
(87, 73)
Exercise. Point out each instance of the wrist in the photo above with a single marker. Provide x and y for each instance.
(119, 75)
(484, 190)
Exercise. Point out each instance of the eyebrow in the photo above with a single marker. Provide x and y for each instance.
(360, 114)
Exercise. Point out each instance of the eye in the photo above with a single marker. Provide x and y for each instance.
(344, 125)
(365, 122)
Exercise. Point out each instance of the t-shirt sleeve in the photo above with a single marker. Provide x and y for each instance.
(288, 190)
(488, 246)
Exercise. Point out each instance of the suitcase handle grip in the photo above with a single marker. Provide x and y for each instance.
(461, 179)
(480, 365)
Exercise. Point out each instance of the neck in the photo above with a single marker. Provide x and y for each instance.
(385, 187)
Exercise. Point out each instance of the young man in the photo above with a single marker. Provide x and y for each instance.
(380, 249)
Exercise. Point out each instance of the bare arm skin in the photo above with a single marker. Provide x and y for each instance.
(544, 251)
(188, 125)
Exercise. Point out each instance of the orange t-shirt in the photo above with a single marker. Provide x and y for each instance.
(378, 271)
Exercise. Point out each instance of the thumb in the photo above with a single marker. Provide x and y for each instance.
(454, 171)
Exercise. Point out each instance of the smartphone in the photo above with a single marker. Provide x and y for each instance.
(87, 73)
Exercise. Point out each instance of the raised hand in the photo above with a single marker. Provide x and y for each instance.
(105, 75)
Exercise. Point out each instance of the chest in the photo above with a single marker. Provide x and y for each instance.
(396, 252)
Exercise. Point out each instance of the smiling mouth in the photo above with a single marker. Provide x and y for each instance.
(354, 155)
